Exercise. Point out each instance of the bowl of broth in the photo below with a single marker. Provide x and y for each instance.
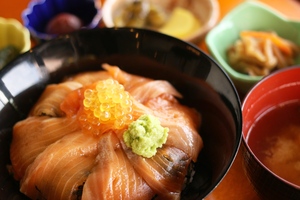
(204, 86)
(271, 113)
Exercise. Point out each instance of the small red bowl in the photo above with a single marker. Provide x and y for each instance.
(278, 88)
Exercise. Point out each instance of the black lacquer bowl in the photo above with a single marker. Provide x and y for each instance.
(202, 82)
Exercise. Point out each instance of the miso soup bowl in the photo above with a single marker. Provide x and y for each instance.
(276, 89)
(202, 82)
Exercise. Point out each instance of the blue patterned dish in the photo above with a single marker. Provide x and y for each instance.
(39, 13)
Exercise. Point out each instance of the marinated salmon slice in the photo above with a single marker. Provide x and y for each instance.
(183, 123)
(129, 81)
(164, 173)
(33, 135)
(53, 95)
(87, 78)
(114, 177)
(141, 88)
(61, 170)
(153, 89)
(44, 126)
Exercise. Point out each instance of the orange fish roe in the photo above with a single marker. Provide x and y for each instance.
(106, 104)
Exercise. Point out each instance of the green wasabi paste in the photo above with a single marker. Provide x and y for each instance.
(145, 135)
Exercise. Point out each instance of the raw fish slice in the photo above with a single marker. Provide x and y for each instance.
(114, 177)
(141, 88)
(73, 102)
(53, 95)
(152, 89)
(33, 135)
(60, 171)
(87, 78)
(124, 78)
(182, 121)
(183, 137)
(164, 173)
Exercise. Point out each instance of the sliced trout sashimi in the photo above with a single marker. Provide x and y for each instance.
(183, 123)
(60, 171)
(114, 177)
(124, 78)
(87, 78)
(153, 89)
(139, 87)
(53, 95)
(183, 137)
(164, 173)
(33, 135)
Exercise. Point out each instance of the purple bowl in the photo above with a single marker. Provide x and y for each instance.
(40, 12)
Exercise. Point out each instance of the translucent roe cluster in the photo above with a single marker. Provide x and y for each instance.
(106, 104)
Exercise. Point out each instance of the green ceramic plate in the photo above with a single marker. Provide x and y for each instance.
(250, 15)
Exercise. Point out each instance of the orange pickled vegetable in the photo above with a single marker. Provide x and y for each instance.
(258, 53)
(282, 44)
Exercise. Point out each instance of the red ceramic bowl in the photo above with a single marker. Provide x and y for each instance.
(279, 88)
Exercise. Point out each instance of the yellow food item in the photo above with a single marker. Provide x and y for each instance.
(182, 23)
(132, 14)
(145, 135)
(108, 102)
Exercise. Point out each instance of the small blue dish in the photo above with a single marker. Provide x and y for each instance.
(39, 13)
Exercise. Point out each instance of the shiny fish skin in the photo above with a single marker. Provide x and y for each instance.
(61, 168)
(32, 136)
(54, 94)
(114, 177)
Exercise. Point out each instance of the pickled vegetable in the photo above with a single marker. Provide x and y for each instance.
(140, 14)
(7, 54)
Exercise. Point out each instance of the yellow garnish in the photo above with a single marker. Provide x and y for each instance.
(182, 23)
(107, 104)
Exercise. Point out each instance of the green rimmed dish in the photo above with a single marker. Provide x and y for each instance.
(249, 15)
